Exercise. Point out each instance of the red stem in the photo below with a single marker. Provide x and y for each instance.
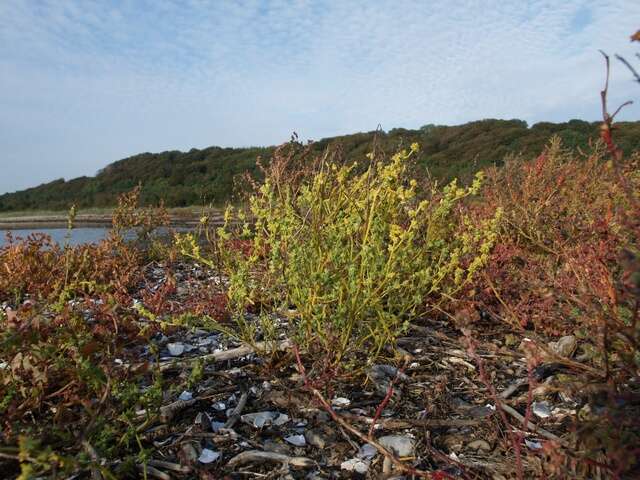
(515, 438)
(385, 400)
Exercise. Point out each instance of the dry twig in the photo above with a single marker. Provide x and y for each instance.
(148, 470)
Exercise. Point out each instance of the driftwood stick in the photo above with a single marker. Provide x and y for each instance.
(230, 354)
(507, 392)
(254, 456)
(153, 472)
(235, 415)
(532, 426)
(169, 411)
(175, 467)
(400, 423)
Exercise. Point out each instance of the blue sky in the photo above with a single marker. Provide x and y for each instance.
(84, 83)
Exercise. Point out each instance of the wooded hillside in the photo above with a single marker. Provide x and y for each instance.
(206, 176)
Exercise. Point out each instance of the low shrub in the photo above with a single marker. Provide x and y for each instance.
(40, 268)
(349, 256)
(569, 223)
(129, 216)
(568, 262)
(61, 393)
(65, 401)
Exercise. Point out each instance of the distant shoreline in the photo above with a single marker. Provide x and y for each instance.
(60, 220)
(53, 221)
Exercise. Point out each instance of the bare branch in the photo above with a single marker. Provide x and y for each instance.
(628, 102)
(630, 67)
(603, 93)
(607, 120)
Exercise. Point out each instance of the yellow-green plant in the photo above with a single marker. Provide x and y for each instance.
(351, 257)
(144, 221)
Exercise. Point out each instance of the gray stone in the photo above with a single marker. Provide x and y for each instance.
(316, 438)
(564, 347)
(479, 445)
(367, 451)
(402, 446)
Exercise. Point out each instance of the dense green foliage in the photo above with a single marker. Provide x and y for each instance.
(206, 176)
(349, 257)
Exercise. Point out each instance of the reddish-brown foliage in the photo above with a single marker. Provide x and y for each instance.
(39, 267)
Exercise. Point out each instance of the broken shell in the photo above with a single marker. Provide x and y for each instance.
(533, 444)
(208, 456)
(541, 409)
(175, 349)
(260, 419)
(340, 402)
(216, 426)
(355, 465)
(281, 419)
(185, 396)
(297, 440)
(219, 406)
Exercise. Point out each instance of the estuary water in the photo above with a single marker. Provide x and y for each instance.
(78, 236)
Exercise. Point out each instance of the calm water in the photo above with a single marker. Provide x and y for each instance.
(79, 235)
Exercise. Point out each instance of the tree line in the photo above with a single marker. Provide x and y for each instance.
(207, 176)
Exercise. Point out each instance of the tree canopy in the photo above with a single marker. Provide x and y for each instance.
(206, 176)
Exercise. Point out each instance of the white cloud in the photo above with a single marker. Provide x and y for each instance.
(85, 83)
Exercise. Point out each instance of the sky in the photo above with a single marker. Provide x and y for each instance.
(84, 83)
